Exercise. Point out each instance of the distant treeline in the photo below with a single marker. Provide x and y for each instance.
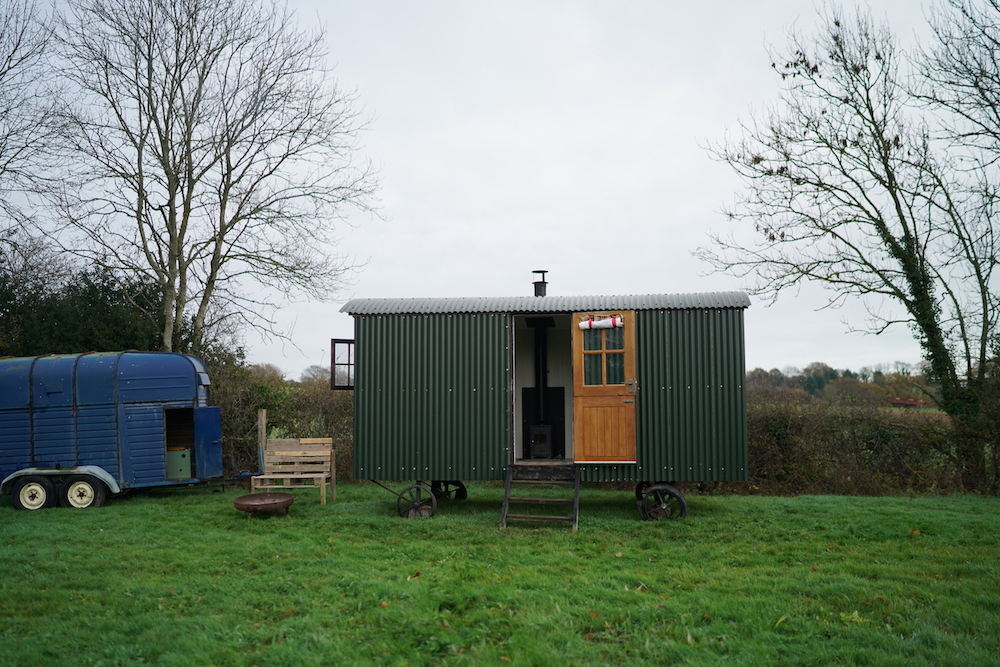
(873, 386)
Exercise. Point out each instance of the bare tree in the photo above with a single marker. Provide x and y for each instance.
(211, 152)
(961, 74)
(25, 106)
(846, 186)
(961, 82)
(30, 263)
(316, 373)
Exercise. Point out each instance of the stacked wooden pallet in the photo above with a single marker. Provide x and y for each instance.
(297, 463)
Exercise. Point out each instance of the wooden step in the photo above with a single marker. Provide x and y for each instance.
(561, 472)
(543, 483)
(539, 517)
(542, 501)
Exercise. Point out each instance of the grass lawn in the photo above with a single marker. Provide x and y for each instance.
(179, 577)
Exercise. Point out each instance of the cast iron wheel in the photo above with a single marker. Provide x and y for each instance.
(33, 493)
(449, 490)
(416, 502)
(641, 487)
(662, 502)
(83, 491)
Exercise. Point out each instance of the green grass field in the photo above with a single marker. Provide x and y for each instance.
(180, 577)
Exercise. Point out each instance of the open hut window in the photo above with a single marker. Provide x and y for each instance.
(342, 363)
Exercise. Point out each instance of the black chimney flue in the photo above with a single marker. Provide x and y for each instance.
(540, 431)
(540, 283)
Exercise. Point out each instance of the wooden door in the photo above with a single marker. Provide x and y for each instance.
(604, 387)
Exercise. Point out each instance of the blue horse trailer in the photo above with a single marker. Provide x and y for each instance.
(76, 427)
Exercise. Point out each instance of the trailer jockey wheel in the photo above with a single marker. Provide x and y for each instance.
(662, 502)
(83, 491)
(33, 493)
(449, 490)
(416, 502)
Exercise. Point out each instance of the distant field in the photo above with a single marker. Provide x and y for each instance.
(181, 578)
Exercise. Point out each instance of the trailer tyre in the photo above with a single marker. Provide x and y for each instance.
(83, 491)
(33, 493)
(662, 502)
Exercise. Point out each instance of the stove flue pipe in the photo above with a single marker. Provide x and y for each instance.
(541, 325)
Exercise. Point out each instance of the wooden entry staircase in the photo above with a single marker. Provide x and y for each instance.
(542, 475)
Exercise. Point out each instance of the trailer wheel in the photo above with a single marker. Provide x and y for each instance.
(662, 502)
(83, 491)
(416, 502)
(449, 490)
(33, 493)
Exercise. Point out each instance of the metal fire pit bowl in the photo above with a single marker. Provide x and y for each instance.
(263, 502)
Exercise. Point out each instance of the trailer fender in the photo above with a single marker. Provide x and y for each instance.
(94, 471)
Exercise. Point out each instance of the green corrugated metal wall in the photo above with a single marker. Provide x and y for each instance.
(691, 408)
(432, 397)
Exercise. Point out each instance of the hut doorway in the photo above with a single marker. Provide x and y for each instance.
(543, 379)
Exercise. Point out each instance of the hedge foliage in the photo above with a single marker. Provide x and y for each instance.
(802, 445)
(305, 409)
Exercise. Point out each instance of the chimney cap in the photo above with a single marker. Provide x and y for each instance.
(540, 283)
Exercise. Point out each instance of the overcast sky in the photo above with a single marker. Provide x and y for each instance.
(566, 136)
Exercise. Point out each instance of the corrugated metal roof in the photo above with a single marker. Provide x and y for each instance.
(546, 304)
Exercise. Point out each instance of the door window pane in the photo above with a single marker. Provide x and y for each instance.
(592, 369)
(592, 339)
(616, 368)
(615, 339)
